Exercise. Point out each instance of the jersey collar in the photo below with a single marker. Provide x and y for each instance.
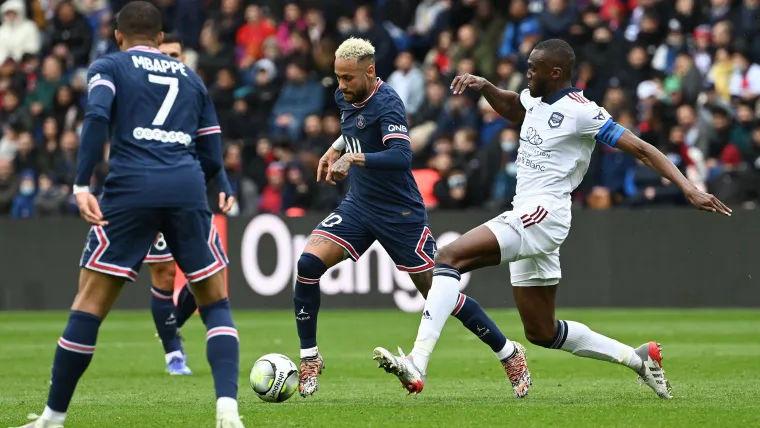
(142, 48)
(378, 83)
(559, 95)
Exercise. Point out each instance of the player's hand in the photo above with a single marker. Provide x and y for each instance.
(460, 83)
(339, 170)
(225, 203)
(325, 162)
(89, 209)
(707, 202)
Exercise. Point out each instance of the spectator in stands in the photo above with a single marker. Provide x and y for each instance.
(228, 21)
(11, 111)
(299, 97)
(23, 202)
(451, 190)
(215, 55)
(365, 27)
(40, 101)
(556, 19)
(19, 35)
(69, 35)
(271, 200)
(65, 109)
(409, 82)
(745, 80)
(8, 186)
(251, 36)
(292, 21)
(468, 45)
(520, 24)
(26, 154)
(50, 197)
(104, 42)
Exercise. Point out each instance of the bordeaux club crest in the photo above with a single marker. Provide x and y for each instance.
(555, 120)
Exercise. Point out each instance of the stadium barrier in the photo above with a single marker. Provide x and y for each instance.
(658, 258)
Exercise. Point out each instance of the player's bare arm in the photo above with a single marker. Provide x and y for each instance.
(506, 103)
(657, 161)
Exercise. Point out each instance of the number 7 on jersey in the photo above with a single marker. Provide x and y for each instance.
(171, 96)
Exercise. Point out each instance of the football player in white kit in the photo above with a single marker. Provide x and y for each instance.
(559, 130)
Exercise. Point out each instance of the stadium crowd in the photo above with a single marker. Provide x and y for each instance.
(682, 74)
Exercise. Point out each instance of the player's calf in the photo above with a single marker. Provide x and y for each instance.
(186, 305)
(306, 302)
(76, 346)
(222, 345)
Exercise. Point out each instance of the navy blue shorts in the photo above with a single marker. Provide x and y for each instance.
(119, 248)
(159, 252)
(410, 245)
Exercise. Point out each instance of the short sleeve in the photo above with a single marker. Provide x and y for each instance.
(597, 123)
(393, 123)
(526, 100)
(208, 123)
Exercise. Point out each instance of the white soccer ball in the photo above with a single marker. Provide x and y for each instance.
(274, 378)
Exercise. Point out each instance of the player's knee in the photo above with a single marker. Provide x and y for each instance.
(448, 256)
(310, 266)
(163, 275)
(541, 334)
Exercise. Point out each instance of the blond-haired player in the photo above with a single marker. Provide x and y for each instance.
(383, 205)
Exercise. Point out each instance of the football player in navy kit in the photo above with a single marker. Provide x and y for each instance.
(165, 147)
(383, 204)
(167, 316)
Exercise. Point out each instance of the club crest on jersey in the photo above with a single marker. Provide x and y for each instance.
(361, 122)
(555, 120)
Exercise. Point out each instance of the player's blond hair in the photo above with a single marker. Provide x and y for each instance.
(355, 49)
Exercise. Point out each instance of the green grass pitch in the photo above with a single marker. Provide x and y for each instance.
(711, 357)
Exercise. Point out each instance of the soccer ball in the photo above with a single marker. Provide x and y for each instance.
(274, 378)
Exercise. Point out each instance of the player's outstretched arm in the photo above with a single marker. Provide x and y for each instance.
(654, 159)
(506, 103)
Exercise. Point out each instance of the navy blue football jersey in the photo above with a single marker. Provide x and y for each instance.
(157, 108)
(369, 127)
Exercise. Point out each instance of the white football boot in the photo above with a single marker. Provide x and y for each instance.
(402, 367)
(228, 421)
(651, 371)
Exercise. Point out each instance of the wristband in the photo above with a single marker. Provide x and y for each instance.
(81, 189)
(339, 144)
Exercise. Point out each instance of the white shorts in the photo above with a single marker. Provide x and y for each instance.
(542, 226)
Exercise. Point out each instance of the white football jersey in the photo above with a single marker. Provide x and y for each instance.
(557, 138)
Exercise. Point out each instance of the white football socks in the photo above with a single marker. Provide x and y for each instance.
(506, 351)
(226, 406)
(441, 300)
(309, 352)
(584, 342)
(52, 416)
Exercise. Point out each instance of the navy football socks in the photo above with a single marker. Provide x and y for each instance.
(306, 300)
(469, 312)
(186, 305)
(74, 353)
(222, 347)
(162, 306)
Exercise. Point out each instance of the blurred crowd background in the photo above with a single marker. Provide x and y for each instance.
(682, 74)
